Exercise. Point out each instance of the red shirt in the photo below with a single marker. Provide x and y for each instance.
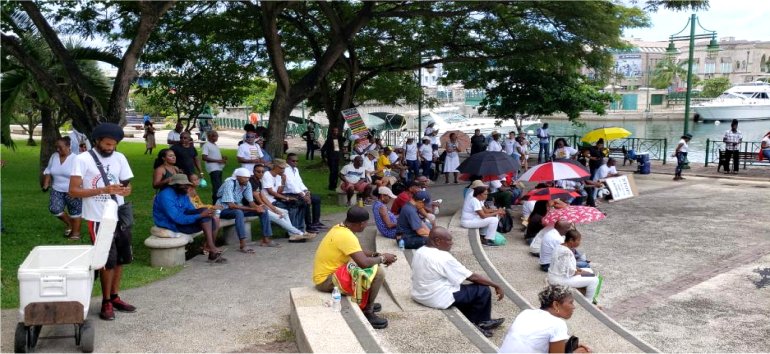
(402, 199)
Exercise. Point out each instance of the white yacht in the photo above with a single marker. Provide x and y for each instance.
(750, 101)
(449, 118)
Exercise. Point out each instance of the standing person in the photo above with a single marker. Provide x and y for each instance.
(545, 144)
(494, 143)
(249, 153)
(765, 147)
(452, 159)
(149, 137)
(681, 156)
(187, 155)
(509, 145)
(732, 140)
(432, 134)
(426, 158)
(596, 158)
(215, 162)
(87, 182)
(331, 153)
(175, 136)
(310, 142)
(57, 175)
(78, 142)
(338, 248)
(543, 330)
(410, 155)
(478, 142)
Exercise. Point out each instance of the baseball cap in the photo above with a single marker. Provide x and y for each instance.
(422, 196)
(386, 191)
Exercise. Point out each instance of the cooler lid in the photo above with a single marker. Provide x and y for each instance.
(105, 234)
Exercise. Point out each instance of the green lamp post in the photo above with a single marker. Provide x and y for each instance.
(711, 51)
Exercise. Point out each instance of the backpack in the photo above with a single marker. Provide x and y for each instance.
(506, 224)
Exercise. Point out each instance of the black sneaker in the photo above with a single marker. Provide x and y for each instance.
(376, 307)
(487, 333)
(376, 321)
(491, 324)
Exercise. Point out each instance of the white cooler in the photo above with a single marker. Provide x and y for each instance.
(66, 273)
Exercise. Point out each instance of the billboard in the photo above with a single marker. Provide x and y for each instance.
(628, 65)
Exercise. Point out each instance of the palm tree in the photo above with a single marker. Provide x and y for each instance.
(18, 86)
(671, 72)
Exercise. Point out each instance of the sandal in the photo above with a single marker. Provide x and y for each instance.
(67, 232)
(247, 250)
(216, 258)
(74, 237)
(270, 244)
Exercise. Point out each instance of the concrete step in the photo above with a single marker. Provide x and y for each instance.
(521, 272)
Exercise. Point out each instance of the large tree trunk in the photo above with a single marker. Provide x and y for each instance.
(48, 140)
(280, 110)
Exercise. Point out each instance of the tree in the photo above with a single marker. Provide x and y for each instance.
(671, 72)
(137, 19)
(715, 86)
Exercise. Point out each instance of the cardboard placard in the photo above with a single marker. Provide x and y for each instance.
(622, 187)
(357, 126)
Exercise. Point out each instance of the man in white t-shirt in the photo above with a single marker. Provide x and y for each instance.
(215, 162)
(86, 182)
(175, 136)
(249, 153)
(437, 282)
(426, 158)
(354, 179)
(606, 170)
(552, 239)
(410, 156)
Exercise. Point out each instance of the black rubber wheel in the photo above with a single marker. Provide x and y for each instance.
(87, 335)
(35, 333)
(20, 340)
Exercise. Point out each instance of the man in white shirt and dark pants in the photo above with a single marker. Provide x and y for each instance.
(215, 162)
(87, 182)
(544, 155)
(294, 187)
(732, 140)
(552, 239)
(437, 282)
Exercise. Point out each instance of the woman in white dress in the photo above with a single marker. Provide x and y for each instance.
(544, 330)
(452, 159)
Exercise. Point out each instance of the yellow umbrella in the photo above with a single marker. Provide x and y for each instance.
(610, 133)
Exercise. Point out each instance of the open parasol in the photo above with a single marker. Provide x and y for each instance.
(575, 214)
(609, 133)
(463, 140)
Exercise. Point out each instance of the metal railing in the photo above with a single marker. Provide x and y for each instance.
(292, 129)
(713, 147)
(656, 148)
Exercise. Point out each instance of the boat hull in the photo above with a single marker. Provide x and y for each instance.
(739, 112)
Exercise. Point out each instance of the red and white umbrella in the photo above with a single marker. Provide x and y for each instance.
(575, 214)
(551, 194)
(552, 171)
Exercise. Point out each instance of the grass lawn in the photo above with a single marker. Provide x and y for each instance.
(28, 222)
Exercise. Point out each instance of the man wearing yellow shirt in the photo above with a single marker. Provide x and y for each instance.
(338, 247)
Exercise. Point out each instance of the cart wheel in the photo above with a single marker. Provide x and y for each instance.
(87, 335)
(35, 333)
(20, 341)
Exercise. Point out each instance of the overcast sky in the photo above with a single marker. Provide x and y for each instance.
(742, 19)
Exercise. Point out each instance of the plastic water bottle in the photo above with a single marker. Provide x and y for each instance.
(401, 244)
(336, 300)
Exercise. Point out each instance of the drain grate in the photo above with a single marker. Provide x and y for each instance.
(764, 278)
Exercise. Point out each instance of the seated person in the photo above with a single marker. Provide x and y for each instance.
(564, 271)
(535, 221)
(277, 215)
(172, 209)
(552, 239)
(340, 246)
(404, 197)
(383, 218)
(231, 196)
(294, 187)
(606, 170)
(543, 330)
(354, 180)
(437, 282)
(273, 190)
(409, 224)
(504, 194)
(195, 199)
(476, 216)
(429, 211)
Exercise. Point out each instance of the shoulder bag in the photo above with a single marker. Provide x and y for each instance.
(125, 211)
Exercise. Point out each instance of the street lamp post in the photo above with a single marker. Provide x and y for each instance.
(712, 49)
(430, 68)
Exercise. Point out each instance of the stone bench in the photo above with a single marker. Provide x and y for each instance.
(167, 248)
(342, 198)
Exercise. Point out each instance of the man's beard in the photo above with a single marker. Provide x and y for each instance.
(102, 153)
(180, 191)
